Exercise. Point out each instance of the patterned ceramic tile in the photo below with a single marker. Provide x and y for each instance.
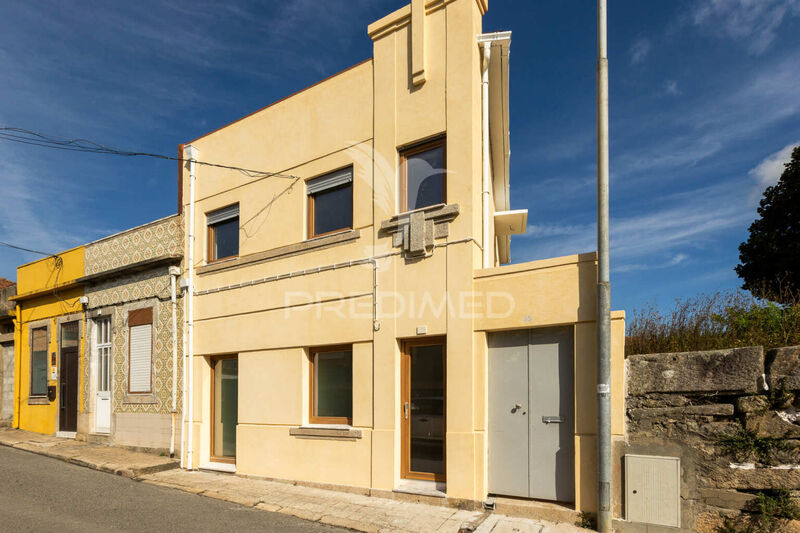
(116, 295)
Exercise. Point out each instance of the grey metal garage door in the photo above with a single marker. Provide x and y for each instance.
(531, 414)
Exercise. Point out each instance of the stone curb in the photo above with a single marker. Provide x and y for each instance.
(74, 458)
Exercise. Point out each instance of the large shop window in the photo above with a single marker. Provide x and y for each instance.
(332, 385)
(422, 176)
(330, 202)
(39, 362)
(140, 350)
(223, 233)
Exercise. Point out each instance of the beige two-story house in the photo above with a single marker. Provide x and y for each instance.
(350, 321)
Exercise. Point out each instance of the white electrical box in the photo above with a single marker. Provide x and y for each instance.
(652, 490)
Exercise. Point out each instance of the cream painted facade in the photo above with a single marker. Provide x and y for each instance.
(286, 294)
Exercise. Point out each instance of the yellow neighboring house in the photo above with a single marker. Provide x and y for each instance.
(50, 344)
(350, 322)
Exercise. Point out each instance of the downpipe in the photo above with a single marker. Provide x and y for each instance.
(487, 248)
(191, 154)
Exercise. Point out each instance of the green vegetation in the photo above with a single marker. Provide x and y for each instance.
(708, 322)
(770, 258)
(587, 521)
(768, 512)
(746, 445)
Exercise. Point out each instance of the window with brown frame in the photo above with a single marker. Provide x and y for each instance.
(223, 233)
(331, 385)
(38, 362)
(330, 202)
(140, 351)
(422, 175)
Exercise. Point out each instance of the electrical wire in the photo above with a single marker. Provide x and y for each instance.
(24, 136)
(24, 249)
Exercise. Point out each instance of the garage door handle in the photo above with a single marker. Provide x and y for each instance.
(553, 419)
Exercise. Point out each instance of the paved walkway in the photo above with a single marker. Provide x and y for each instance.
(353, 511)
(97, 456)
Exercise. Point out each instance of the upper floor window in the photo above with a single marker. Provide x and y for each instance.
(330, 202)
(223, 233)
(422, 176)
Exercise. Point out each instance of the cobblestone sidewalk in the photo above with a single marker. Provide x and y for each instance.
(109, 459)
(354, 511)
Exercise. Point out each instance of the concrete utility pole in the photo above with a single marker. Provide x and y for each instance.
(603, 284)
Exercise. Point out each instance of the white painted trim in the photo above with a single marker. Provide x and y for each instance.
(218, 467)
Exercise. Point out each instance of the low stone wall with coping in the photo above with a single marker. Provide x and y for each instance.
(733, 418)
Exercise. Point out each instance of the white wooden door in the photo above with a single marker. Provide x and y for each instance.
(102, 405)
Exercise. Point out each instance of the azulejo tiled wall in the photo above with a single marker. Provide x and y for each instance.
(162, 237)
(116, 296)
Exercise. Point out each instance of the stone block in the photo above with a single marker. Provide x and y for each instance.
(752, 404)
(726, 499)
(732, 370)
(770, 425)
(783, 368)
(753, 478)
(714, 409)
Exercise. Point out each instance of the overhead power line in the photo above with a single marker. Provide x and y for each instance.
(25, 249)
(21, 135)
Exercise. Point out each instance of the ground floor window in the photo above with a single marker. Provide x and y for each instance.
(332, 385)
(39, 362)
(225, 407)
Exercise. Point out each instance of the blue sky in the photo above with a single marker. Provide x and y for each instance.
(705, 103)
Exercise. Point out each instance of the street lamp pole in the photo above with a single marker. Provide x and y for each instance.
(603, 283)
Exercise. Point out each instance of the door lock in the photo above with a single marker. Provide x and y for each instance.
(553, 419)
(405, 410)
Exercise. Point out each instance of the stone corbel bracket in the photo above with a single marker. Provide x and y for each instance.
(416, 231)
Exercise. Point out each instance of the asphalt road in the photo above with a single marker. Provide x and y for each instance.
(42, 494)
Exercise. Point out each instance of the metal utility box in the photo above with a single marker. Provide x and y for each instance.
(652, 490)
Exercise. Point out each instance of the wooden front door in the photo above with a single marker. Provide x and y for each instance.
(423, 409)
(68, 378)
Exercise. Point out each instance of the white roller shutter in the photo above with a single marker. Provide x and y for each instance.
(330, 181)
(141, 352)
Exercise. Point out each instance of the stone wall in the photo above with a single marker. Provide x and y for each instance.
(732, 418)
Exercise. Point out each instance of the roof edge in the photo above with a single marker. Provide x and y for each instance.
(280, 100)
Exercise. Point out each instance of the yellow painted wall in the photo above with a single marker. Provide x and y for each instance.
(50, 304)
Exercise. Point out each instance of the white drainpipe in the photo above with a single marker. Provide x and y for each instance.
(185, 384)
(191, 154)
(488, 246)
(174, 272)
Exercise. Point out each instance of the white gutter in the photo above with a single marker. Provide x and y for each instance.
(191, 155)
(174, 272)
(486, 241)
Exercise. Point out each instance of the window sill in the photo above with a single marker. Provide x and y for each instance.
(324, 431)
(309, 245)
(143, 398)
(38, 400)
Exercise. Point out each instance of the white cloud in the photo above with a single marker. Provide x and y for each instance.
(639, 50)
(690, 221)
(752, 22)
(676, 259)
(768, 171)
(671, 88)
